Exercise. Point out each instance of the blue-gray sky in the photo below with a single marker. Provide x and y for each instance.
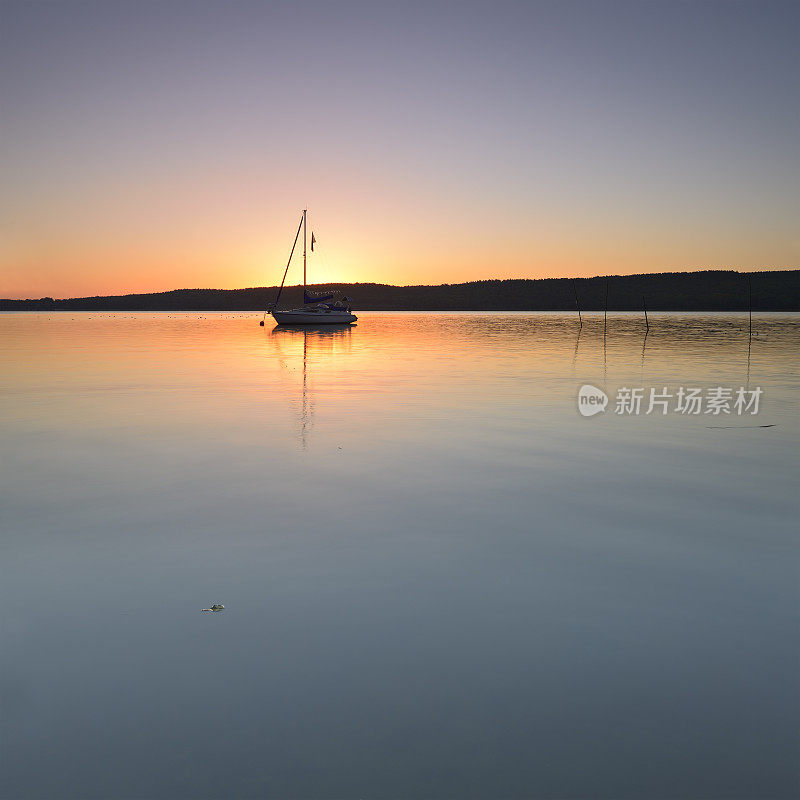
(146, 146)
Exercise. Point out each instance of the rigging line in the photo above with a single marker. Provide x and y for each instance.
(296, 236)
(326, 268)
(323, 258)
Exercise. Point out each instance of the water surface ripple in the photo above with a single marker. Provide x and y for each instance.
(440, 580)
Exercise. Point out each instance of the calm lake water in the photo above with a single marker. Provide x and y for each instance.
(440, 580)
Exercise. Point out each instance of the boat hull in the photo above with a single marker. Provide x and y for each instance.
(302, 317)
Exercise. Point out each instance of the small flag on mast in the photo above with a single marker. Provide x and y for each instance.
(313, 240)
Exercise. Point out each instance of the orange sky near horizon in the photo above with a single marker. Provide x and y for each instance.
(149, 147)
(228, 248)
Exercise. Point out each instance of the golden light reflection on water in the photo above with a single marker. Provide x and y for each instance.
(409, 508)
(316, 341)
(97, 371)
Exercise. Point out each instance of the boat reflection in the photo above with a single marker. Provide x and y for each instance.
(293, 342)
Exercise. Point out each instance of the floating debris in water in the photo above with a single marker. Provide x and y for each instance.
(721, 427)
(215, 607)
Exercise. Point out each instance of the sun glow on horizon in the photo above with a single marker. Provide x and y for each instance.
(520, 141)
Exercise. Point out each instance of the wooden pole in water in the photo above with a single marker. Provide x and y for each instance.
(750, 303)
(605, 313)
(577, 304)
(644, 303)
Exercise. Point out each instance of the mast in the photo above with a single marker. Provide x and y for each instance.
(305, 212)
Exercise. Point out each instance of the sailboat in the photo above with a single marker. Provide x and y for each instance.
(318, 309)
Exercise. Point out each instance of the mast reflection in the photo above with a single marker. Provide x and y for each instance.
(312, 344)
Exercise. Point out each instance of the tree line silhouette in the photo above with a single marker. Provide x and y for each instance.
(709, 290)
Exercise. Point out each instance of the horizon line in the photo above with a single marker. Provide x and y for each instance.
(608, 276)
